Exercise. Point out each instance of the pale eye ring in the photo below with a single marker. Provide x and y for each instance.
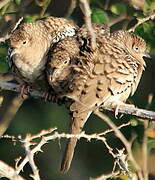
(24, 42)
(136, 48)
(66, 61)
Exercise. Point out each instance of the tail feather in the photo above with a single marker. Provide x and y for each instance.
(75, 128)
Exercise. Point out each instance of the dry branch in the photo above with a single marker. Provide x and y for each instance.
(9, 172)
(87, 15)
(139, 113)
(142, 20)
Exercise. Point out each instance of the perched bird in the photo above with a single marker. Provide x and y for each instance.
(65, 56)
(29, 46)
(70, 61)
(108, 75)
(61, 62)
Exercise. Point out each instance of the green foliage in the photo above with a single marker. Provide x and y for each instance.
(45, 115)
(3, 53)
(147, 31)
(118, 8)
(17, 2)
(99, 16)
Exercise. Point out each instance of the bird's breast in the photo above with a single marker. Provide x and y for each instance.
(29, 68)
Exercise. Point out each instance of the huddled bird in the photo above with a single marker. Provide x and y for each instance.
(57, 52)
(29, 44)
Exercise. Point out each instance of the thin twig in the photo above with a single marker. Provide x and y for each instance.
(9, 172)
(30, 157)
(14, 105)
(87, 13)
(71, 7)
(124, 141)
(46, 136)
(105, 176)
(3, 3)
(140, 113)
(142, 20)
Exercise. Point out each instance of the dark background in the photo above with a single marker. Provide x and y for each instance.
(91, 159)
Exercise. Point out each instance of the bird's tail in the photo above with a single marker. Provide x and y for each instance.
(78, 121)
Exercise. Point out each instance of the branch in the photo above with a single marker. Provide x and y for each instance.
(3, 3)
(134, 111)
(142, 20)
(87, 13)
(7, 117)
(17, 88)
(9, 172)
(126, 143)
(139, 113)
(31, 141)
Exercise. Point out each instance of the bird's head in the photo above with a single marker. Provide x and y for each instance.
(134, 45)
(29, 40)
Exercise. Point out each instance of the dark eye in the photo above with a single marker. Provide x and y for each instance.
(24, 42)
(65, 62)
(136, 48)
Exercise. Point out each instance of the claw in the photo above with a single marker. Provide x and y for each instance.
(119, 104)
(52, 96)
(25, 90)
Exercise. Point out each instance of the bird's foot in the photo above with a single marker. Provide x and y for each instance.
(119, 104)
(25, 90)
(52, 97)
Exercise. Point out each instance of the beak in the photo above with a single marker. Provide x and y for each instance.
(147, 56)
(11, 52)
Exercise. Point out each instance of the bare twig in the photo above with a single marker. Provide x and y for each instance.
(140, 113)
(17, 23)
(14, 105)
(87, 13)
(71, 7)
(144, 141)
(142, 20)
(105, 176)
(9, 172)
(3, 3)
(30, 157)
(17, 88)
(48, 135)
(6, 77)
(111, 130)
(124, 141)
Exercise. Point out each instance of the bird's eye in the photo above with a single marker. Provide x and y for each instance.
(136, 48)
(66, 62)
(24, 42)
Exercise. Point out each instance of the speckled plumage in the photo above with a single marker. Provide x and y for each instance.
(30, 43)
(110, 74)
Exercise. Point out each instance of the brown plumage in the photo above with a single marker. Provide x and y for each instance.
(108, 76)
(61, 61)
(29, 45)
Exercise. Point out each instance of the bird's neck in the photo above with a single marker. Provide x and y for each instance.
(61, 34)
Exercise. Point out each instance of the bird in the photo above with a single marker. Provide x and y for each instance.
(61, 63)
(67, 60)
(29, 45)
(108, 75)
(64, 58)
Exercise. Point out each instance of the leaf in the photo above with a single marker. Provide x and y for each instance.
(3, 66)
(18, 2)
(118, 8)
(99, 16)
(29, 19)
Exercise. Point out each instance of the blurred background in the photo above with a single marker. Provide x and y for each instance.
(91, 159)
